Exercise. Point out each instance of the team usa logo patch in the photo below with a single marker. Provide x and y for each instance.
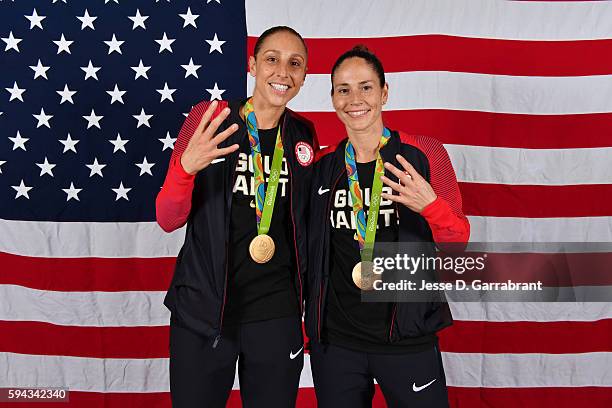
(304, 153)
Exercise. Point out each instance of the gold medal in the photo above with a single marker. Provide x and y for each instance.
(262, 248)
(364, 276)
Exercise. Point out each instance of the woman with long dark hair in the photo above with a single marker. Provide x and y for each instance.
(237, 178)
(376, 186)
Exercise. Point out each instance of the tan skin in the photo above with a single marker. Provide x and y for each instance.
(279, 69)
(358, 98)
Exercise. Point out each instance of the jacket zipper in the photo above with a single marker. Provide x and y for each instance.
(327, 213)
(297, 255)
(224, 299)
(218, 337)
(394, 312)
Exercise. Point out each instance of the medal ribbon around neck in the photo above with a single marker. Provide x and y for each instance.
(264, 200)
(366, 231)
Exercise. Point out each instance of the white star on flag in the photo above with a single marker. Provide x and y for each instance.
(141, 70)
(215, 44)
(63, 45)
(143, 119)
(121, 192)
(114, 45)
(145, 167)
(91, 71)
(46, 167)
(93, 120)
(43, 119)
(165, 43)
(168, 142)
(1, 163)
(96, 168)
(19, 142)
(191, 68)
(40, 70)
(72, 192)
(138, 19)
(208, 1)
(87, 20)
(119, 144)
(69, 144)
(35, 20)
(215, 93)
(66, 95)
(11, 42)
(116, 95)
(22, 190)
(16, 92)
(190, 19)
(166, 93)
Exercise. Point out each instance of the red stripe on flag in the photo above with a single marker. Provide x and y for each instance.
(81, 341)
(82, 399)
(85, 274)
(306, 399)
(558, 397)
(485, 128)
(459, 397)
(461, 54)
(551, 269)
(505, 200)
(527, 337)
(152, 342)
(579, 269)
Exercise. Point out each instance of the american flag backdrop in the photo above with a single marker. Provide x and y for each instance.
(92, 95)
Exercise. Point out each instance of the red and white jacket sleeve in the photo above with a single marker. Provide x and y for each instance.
(173, 202)
(444, 215)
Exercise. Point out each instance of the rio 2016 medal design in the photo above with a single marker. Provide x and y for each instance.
(262, 246)
(363, 275)
(365, 231)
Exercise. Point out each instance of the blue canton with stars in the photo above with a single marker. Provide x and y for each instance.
(93, 94)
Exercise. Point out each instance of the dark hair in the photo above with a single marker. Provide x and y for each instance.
(361, 51)
(274, 30)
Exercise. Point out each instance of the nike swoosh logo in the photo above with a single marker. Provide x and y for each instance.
(218, 160)
(322, 190)
(292, 356)
(422, 387)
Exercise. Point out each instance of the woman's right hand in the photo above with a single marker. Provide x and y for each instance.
(202, 147)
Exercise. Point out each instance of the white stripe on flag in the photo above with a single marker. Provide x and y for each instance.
(579, 20)
(89, 239)
(145, 308)
(473, 92)
(527, 370)
(105, 309)
(147, 240)
(551, 167)
(512, 229)
(151, 375)
(531, 312)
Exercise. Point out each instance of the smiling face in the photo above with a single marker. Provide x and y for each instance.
(279, 69)
(358, 96)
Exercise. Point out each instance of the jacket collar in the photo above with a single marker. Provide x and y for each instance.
(387, 153)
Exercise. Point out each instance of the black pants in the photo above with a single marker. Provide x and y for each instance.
(345, 378)
(270, 359)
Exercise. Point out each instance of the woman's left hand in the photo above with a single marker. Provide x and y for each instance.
(413, 190)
